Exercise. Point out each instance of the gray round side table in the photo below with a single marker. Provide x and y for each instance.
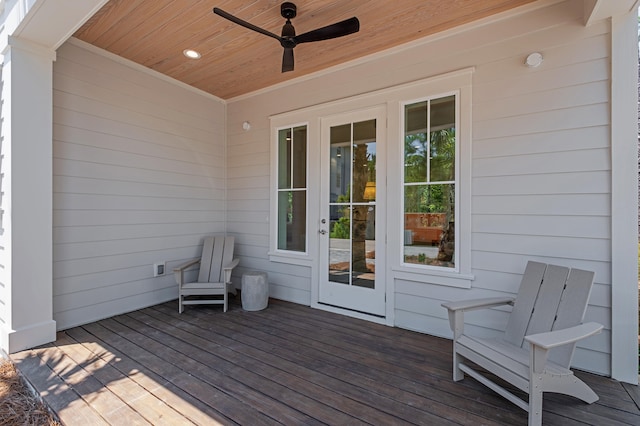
(255, 291)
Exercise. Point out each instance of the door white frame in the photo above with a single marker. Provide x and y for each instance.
(348, 297)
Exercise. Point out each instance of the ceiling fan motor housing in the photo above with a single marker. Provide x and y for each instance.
(288, 10)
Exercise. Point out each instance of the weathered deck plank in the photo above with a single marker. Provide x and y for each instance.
(59, 395)
(301, 372)
(287, 364)
(335, 368)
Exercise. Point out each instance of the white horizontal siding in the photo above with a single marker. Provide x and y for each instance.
(540, 177)
(139, 177)
(541, 170)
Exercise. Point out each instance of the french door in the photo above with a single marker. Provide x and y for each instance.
(352, 230)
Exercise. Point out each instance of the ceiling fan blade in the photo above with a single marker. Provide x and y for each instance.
(287, 59)
(245, 24)
(339, 29)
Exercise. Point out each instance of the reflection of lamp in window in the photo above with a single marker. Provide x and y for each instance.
(338, 152)
(369, 191)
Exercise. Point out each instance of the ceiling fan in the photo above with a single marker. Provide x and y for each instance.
(288, 40)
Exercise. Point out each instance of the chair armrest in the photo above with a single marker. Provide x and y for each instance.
(227, 271)
(457, 309)
(551, 339)
(186, 265)
(473, 304)
(178, 272)
(231, 265)
(541, 343)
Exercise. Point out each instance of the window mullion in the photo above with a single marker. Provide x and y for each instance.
(428, 137)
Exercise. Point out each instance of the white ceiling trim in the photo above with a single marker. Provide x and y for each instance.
(50, 23)
(596, 10)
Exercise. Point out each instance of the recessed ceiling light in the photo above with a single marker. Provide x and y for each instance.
(192, 54)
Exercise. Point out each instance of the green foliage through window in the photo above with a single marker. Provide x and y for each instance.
(429, 182)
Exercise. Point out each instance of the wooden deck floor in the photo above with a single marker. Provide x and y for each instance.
(288, 364)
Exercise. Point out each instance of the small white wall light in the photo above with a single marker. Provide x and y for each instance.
(534, 60)
(246, 126)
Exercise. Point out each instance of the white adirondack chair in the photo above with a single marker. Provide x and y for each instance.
(214, 277)
(535, 352)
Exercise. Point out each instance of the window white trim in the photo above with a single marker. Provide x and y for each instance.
(276, 254)
(410, 266)
(458, 84)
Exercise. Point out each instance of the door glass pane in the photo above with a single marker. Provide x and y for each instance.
(340, 164)
(364, 161)
(363, 251)
(340, 244)
(352, 204)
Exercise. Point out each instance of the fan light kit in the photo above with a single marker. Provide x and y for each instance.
(288, 40)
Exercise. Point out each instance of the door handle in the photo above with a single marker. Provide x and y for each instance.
(322, 231)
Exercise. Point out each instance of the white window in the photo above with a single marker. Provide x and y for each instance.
(291, 228)
(429, 182)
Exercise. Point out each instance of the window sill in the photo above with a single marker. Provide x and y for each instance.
(290, 258)
(428, 276)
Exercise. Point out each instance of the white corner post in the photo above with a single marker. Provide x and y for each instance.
(624, 197)
(26, 276)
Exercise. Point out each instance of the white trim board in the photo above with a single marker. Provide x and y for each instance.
(624, 201)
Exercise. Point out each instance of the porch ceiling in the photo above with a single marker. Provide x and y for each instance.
(236, 61)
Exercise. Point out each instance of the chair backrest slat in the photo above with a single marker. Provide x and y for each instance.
(524, 304)
(548, 300)
(227, 255)
(217, 251)
(205, 260)
(571, 311)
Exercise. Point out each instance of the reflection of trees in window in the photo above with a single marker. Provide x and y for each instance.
(354, 153)
(359, 212)
(429, 180)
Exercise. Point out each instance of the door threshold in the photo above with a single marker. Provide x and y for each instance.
(378, 319)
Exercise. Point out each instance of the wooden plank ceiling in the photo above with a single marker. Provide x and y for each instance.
(235, 60)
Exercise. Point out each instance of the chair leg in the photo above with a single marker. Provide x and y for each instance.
(226, 301)
(458, 374)
(535, 402)
(581, 390)
(231, 289)
(180, 307)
